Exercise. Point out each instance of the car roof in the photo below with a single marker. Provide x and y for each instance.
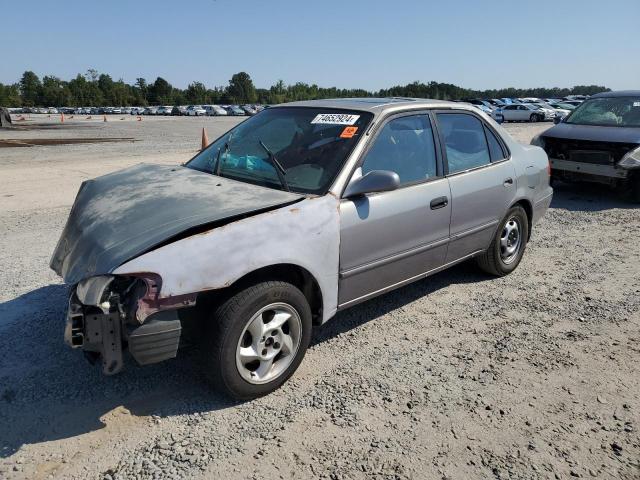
(619, 93)
(373, 104)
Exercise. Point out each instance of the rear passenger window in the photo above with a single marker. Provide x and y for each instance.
(464, 140)
(495, 149)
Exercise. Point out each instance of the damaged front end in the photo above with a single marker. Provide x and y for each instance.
(109, 314)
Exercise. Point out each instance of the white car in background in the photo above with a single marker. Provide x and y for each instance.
(558, 111)
(195, 111)
(525, 112)
(215, 110)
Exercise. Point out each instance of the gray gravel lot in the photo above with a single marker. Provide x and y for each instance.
(461, 376)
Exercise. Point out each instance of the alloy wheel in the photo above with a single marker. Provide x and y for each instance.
(269, 343)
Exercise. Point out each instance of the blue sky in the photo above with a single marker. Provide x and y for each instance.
(350, 43)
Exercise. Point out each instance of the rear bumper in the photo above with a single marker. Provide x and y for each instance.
(107, 336)
(609, 171)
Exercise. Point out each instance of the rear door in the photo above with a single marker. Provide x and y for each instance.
(481, 177)
(390, 238)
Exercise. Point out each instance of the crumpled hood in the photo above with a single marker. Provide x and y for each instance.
(119, 216)
(594, 133)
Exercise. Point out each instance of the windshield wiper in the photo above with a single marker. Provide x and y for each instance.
(280, 171)
(224, 149)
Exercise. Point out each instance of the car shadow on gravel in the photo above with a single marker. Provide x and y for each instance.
(589, 197)
(466, 272)
(49, 392)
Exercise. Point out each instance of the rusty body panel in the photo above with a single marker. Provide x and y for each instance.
(119, 216)
(307, 236)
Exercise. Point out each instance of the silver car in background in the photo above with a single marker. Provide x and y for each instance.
(301, 211)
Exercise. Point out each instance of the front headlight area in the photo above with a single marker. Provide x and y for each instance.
(135, 297)
(631, 160)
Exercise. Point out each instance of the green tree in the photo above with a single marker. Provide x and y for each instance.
(196, 93)
(30, 86)
(10, 95)
(160, 92)
(143, 88)
(241, 89)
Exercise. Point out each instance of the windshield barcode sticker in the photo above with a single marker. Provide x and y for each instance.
(336, 118)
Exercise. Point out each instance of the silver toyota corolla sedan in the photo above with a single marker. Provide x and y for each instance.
(299, 212)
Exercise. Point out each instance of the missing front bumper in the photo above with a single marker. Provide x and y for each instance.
(106, 335)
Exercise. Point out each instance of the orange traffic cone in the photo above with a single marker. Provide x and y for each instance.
(105, 118)
(205, 139)
(88, 118)
(139, 119)
(61, 117)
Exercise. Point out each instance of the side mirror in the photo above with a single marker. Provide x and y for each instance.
(374, 181)
(557, 120)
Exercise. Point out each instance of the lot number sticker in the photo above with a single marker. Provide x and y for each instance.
(335, 118)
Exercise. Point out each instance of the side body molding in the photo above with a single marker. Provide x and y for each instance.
(306, 234)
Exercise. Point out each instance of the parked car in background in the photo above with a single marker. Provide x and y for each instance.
(150, 110)
(598, 142)
(550, 112)
(195, 111)
(215, 110)
(563, 106)
(356, 215)
(575, 103)
(525, 112)
(558, 111)
(179, 110)
(234, 110)
(249, 109)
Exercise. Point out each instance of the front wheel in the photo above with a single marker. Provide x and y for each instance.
(533, 118)
(257, 339)
(508, 245)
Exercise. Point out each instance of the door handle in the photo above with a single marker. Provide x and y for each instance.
(508, 182)
(439, 202)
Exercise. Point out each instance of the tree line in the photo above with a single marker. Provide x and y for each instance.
(99, 89)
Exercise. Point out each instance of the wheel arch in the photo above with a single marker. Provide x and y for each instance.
(286, 272)
(528, 208)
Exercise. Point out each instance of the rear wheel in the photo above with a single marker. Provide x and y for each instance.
(508, 245)
(257, 339)
(533, 118)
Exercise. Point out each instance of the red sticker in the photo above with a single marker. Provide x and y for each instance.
(348, 132)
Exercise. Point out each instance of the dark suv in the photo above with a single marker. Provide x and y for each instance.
(598, 142)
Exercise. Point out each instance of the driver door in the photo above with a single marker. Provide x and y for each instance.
(390, 238)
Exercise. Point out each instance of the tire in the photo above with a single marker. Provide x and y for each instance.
(248, 375)
(501, 258)
(533, 118)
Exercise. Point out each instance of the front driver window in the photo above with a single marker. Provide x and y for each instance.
(405, 146)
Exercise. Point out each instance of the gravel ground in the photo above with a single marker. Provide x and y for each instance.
(534, 375)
